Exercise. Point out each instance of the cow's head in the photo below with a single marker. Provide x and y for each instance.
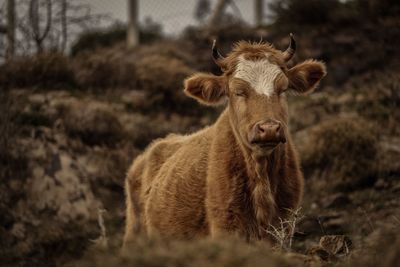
(255, 80)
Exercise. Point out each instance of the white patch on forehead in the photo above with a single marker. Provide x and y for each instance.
(260, 74)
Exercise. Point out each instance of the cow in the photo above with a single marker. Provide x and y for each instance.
(240, 175)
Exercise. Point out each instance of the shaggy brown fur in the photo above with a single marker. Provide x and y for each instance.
(216, 181)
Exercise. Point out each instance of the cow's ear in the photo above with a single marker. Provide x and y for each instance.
(305, 77)
(208, 89)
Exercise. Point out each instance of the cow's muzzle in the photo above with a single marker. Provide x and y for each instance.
(267, 134)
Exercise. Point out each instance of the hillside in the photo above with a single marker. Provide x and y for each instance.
(71, 126)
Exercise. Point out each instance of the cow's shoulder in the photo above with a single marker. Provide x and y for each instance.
(161, 148)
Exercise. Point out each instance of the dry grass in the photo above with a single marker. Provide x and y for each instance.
(94, 123)
(344, 151)
(383, 253)
(196, 253)
(104, 69)
(45, 70)
(376, 97)
(283, 233)
(236, 252)
(168, 49)
(160, 73)
(162, 78)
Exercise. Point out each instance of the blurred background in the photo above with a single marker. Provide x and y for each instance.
(86, 85)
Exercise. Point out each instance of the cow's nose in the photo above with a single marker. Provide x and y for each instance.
(268, 128)
(269, 131)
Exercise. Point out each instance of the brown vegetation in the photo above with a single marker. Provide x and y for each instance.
(94, 123)
(47, 70)
(344, 151)
(58, 166)
(156, 252)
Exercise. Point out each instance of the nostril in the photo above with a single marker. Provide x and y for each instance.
(261, 128)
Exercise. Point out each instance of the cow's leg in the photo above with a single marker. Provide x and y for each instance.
(222, 222)
(132, 224)
(222, 211)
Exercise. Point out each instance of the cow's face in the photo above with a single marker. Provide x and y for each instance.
(255, 82)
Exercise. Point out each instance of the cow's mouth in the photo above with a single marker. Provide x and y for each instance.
(265, 145)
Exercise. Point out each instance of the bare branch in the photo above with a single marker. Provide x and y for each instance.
(51, 23)
(48, 21)
(284, 234)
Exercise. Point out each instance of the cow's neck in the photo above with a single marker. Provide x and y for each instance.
(256, 167)
(261, 172)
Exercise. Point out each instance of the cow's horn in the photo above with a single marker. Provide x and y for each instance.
(216, 55)
(288, 54)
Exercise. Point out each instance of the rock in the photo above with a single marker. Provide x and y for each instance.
(61, 188)
(396, 188)
(18, 230)
(336, 245)
(331, 247)
(318, 251)
(50, 202)
(381, 184)
(37, 99)
(336, 201)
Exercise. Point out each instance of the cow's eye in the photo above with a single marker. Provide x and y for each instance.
(240, 94)
(281, 84)
(283, 90)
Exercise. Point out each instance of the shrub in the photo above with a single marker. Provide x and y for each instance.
(376, 97)
(44, 70)
(160, 73)
(118, 67)
(94, 39)
(93, 123)
(303, 12)
(342, 152)
(373, 9)
(162, 77)
(383, 251)
(103, 69)
(171, 49)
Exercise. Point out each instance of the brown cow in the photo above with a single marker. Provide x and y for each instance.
(239, 175)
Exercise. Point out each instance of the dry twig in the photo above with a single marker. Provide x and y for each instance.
(283, 234)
